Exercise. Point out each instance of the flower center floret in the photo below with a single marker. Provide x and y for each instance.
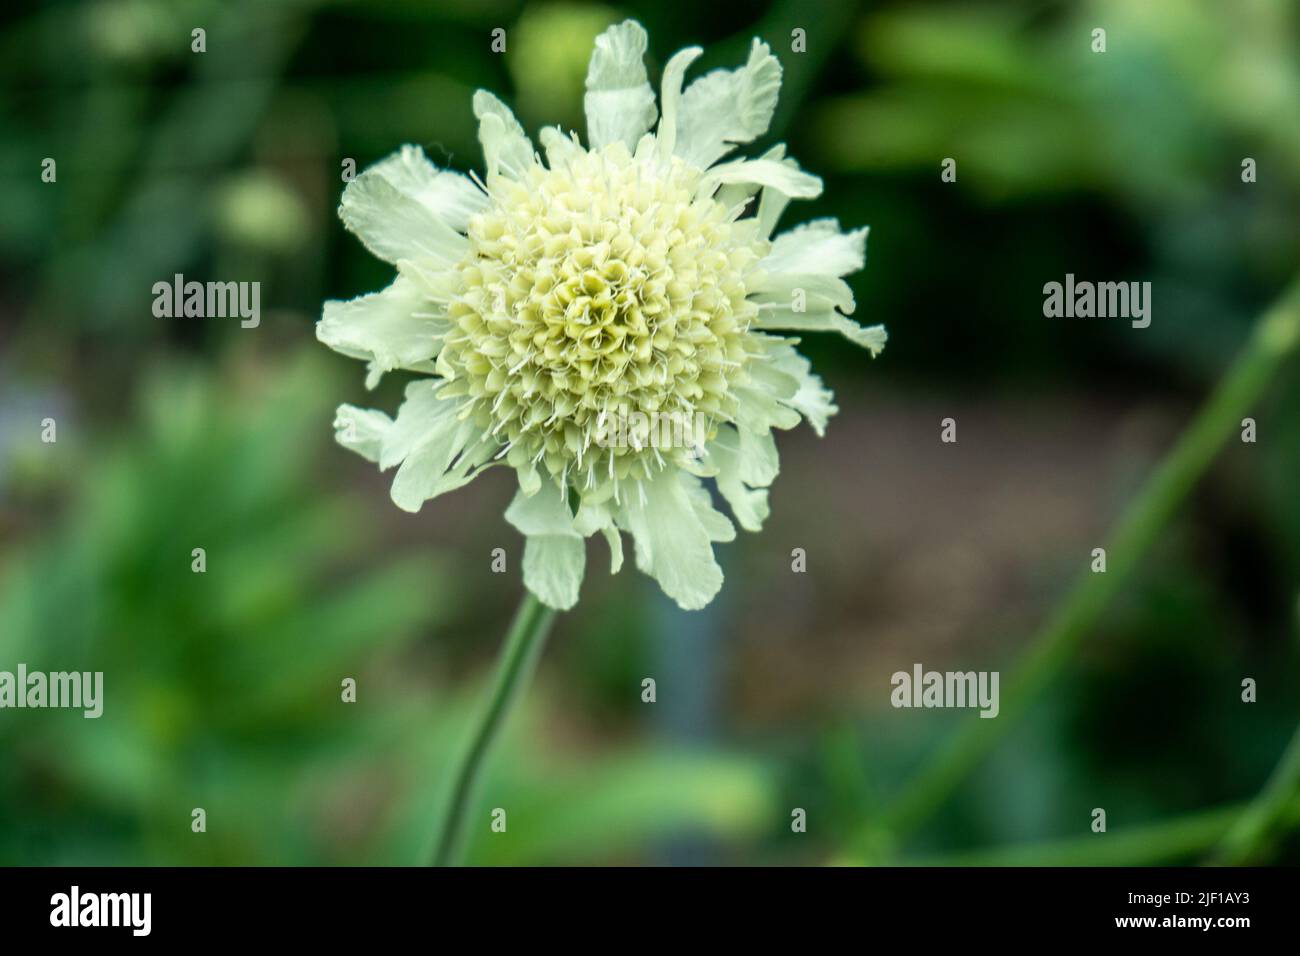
(597, 295)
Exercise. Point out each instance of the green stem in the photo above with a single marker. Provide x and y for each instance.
(1267, 814)
(518, 659)
(1167, 841)
(1274, 338)
(1236, 829)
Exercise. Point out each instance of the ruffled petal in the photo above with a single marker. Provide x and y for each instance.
(404, 208)
(619, 103)
(444, 463)
(716, 525)
(784, 176)
(544, 513)
(506, 147)
(555, 554)
(812, 257)
(670, 97)
(818, 291)
(812, 399)
(764, 401)
(451, 196)
(818, 247)
(438, 283)
(422, 411)
(553, 569)
(727, 107)
(773, 201)
(561, 148)
(871, 337)
(437, 451)
(396, 328)
(736, 193)
(597, 516)
(672, 542)
(361, 430)
(746, 464)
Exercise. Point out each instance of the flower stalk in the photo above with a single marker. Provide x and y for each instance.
(1268, 815)
(1274, 340)
(516, 664)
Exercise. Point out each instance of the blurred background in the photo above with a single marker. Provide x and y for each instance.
(223, 688)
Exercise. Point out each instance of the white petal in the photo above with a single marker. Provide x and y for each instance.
(672, 544)
(747, 464)
(819, 291)
(596, 516)
(560, 149)
(506, 147)
(619, 103)
(438, 452)
(784, 176)
(671, 95)
(396, 328)
(773, 202)
(555, 554)
(451, 196)
(813, 400)
(553, 569)
(823, 320)
(818, 247)
(439, 466)
(361, 430)
(420, 412)
(529, 481)
(402, 208)
(716, 524)
(727, 107)
(545, 513)
(764, 402)
(615, 542)
(734, 193)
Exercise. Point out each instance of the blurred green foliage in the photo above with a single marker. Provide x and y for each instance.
(223, 688)
(1157, 125)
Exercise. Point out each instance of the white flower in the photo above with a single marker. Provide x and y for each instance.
(561, 311)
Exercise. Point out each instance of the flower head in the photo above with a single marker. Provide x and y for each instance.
(605, 323)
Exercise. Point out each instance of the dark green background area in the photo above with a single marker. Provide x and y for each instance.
(222, 689)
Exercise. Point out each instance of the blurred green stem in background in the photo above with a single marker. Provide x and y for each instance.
(1166, 841)
(518, 660)
(1267, 814)
(1275, 338)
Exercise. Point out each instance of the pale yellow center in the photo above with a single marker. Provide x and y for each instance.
(600, 287)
